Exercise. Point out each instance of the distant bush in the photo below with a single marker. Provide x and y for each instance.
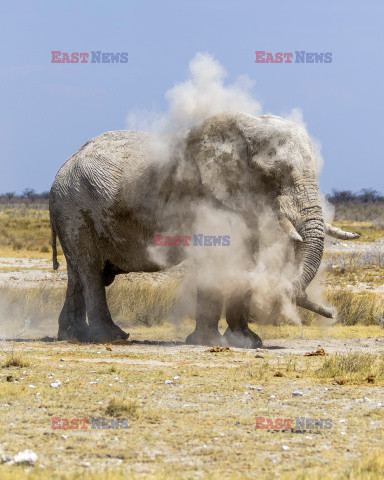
(367, 205)
(366, 195)
(29, 196)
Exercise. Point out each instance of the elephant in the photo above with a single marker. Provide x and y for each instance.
(118, 190)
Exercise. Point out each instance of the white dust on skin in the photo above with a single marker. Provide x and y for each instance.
(272, 273)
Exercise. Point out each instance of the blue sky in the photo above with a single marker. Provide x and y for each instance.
(47, 111)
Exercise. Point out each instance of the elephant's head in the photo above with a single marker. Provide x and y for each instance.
(271, 157)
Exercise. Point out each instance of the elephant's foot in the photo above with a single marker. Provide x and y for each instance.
(80, 333)
(244, 338)
(204, 337)
(106, 331)
(65, 333)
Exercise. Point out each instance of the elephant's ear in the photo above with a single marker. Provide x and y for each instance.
(220, 152)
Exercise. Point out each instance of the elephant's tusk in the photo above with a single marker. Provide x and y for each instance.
(290, 230)
(338, 233)
(304, 302)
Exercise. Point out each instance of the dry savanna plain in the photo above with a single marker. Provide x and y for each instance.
(153, 407)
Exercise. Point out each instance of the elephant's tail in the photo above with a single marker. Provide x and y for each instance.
(56, 264)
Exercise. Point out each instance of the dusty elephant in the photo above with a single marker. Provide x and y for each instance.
(113, 195)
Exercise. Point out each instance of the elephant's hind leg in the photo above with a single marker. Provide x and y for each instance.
(101, 325)
(238, 334)
(72, 320)
(208, 312)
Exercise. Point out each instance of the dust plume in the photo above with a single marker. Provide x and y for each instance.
(227, 268)
(192, 101)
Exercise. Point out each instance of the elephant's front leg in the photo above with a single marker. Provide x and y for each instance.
(238, 334)
(208, 311)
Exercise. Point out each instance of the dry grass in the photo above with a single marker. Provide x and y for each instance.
(15, 361)
(137, 302)
(36, 311)
(25, 229)
(363, 308)
(118, 407)
(35, 308)
(353, 367)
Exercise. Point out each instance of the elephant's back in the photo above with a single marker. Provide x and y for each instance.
(95, 171)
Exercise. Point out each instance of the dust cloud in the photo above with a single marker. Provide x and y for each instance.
(272, 272)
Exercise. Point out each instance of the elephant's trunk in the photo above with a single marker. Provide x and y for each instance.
(309, 255)
(309, 250)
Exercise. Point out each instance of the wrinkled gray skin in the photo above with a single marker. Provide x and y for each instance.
(110, 198)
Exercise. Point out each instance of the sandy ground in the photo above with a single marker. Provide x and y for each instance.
(28, 273)
(195, 410)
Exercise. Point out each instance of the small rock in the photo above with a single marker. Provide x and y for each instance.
(56, 384)
(85, 464)
(31, 386)
(168, 382)
(341, 421)
(297, 394)
(176, 378)
(272, 396)
(26, 456)
(64, 437)
(367, 399)
(62, 360)
(285, 448)
(9, 378)
(5, 458)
